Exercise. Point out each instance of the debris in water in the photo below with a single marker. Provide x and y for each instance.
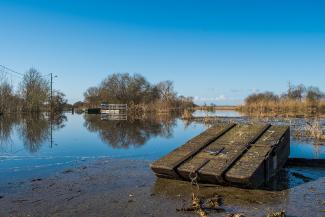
(236, 215)
(67, 171)
(201, 206)
(302, 177)
(277, 214)
(197, 205)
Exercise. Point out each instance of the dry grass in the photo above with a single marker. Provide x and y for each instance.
(284, 107)
(187, 114)
(312, 130)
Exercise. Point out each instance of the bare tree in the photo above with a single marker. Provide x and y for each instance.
(166, 91)
(7, 97)
(34, 89)
(261, 97)
(58, 101)
(295, 92)
(314, 94)
(92, 96)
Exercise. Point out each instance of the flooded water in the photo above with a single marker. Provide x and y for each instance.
(96, 151)
(217, 113)
(31, 146)
(39, 145)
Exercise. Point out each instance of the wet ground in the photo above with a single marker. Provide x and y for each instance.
(111, 187)
(88, 166)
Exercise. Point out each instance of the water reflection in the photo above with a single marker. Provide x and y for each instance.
(31, 132)
(6, 127)
(25, 143)
(33, 129)
(127, 133)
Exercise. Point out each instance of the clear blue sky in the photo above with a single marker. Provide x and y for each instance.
(216, 51)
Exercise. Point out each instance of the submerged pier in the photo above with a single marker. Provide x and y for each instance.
(229, 154)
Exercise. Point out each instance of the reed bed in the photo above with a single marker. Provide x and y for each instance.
(311, 130)
(284, 108)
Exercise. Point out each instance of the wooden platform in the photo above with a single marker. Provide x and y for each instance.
(229, 154)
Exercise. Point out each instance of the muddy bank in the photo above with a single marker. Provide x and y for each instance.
(128, 188)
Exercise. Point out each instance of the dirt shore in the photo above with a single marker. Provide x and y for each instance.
(115, 188)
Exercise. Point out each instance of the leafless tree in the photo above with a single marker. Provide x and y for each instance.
(295, 92)
(8, 100)
(35, 91)
(166, 91)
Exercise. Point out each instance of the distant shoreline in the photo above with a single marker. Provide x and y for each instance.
(225, 107)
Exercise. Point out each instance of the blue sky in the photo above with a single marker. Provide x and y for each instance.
(215, 51)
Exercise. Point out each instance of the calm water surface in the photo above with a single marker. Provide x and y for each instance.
(35, 146)
(217, 113)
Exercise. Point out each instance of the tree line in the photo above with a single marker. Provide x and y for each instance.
(298, 99)
(137, 92)
(33, 94)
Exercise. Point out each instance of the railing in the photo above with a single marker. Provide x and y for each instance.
(114, 106)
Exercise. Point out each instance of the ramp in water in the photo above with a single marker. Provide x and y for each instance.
(229, 154)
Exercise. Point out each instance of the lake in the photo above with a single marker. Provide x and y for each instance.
(39, 145)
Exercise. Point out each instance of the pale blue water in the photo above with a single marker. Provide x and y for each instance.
(302, 149)
(27, 149)
(217, 113)
(74, 143)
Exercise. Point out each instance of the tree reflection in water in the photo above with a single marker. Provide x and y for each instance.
(33, 129)
(135, 133)
(7, 124)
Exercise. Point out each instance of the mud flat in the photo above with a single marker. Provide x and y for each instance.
(116, 188)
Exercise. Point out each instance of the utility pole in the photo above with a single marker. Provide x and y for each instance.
(51, 112)
(51, 97)
(51, 92)
(51, 116)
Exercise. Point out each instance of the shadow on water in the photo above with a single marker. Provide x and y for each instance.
(293, 176)
(130, 133)
(33, 129)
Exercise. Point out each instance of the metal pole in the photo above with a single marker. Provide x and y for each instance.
(51, 92)
(51, 131)
(51, 110)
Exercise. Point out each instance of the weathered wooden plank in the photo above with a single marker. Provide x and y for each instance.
(262, 160)
(233, 145)
(171, 161)
(245, 155)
